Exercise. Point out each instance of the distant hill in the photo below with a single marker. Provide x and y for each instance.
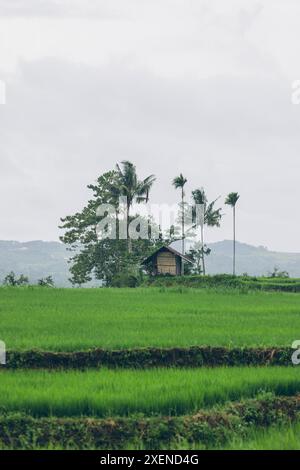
(250, 259)
(35, 259)
(253, 260)
(38, 259)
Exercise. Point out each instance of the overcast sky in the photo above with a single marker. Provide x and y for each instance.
(191, 86)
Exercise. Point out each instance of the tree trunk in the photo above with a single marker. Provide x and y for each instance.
(117, 224)
(202, 249)
(182, 229)
(129, 246)
(234, 240)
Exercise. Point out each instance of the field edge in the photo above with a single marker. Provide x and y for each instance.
(206, 428)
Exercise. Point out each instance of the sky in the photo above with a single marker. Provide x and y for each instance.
(201, 87)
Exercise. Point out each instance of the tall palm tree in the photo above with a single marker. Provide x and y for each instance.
(179, 182)
(133, 189)
(211, 218)
(231, 200)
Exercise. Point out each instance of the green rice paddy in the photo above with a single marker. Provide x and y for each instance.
(123, 392)
(71, 320)
(79, 319)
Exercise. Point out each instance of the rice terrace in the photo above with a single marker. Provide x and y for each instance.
(145, 350)
(148, 362)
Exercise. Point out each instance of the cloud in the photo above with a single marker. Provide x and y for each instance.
(64, 124)
(56, 8)
(176, 86)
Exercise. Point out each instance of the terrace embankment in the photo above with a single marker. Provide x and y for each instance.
(206, 428)
(150, 357)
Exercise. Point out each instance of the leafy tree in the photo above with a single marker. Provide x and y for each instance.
(211, 218)
(80, 228)
(276, 273)
(196, 253)
(23, 280)
(12, 280)
(125, 280)
(102, 257)
(46, 282)
(231, 200)
(179, 183)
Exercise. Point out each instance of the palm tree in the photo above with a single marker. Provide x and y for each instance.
(231, 200)
(211, 218)
(133, 189)
(179, 182)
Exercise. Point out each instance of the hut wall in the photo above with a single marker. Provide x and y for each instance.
(166, 263)
(178, 265)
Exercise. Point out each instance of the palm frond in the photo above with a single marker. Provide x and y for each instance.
(179, 181)
(129, 184)
(232, 199)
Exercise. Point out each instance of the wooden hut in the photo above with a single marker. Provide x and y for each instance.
(166, 260)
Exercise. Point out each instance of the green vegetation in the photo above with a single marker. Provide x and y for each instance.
(120, 408)
(231, 200)
(197, 320)
(97, 235)
(140, 358)
(211, 428)
(211, 218)
(103, 254)
(78, 319)
(123, 392)
(225, 281)
(12, 280)
(179, 182)
(276, 438)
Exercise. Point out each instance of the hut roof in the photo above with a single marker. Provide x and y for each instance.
(171, 250)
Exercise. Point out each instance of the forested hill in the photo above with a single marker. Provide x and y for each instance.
(251, 259)
(35, 259)
(38, 259)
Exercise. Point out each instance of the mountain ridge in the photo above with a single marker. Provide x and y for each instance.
(37, 259)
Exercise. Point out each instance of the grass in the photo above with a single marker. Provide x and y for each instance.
(106, 393)
(228, 281)
(78, 319)
(275, 438)
(284, 437)
(214, 428)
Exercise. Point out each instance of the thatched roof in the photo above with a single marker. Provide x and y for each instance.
(171, 250)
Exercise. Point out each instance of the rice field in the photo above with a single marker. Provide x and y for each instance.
(72, 320)
(106, 393)
(79, 319)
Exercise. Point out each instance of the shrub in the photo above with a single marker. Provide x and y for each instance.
(12, 280)
(125, 280)
(46, 282)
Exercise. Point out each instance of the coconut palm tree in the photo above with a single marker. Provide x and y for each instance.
(179, 182)
(133, 189)
(211, 218)
(231, 200)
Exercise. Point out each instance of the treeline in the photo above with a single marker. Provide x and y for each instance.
(242, 283)
(117, 261)
(12, 280)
